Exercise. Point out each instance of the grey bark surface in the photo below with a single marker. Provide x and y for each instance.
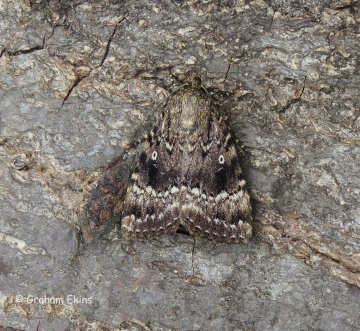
(79, 80)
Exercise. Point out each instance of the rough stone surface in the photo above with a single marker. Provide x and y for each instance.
(81, 79)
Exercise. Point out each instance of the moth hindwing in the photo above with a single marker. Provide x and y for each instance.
(188, 174)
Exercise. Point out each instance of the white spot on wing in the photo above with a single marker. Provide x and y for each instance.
(154, 155)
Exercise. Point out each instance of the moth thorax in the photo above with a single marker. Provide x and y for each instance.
(188, 123)
(194, 112)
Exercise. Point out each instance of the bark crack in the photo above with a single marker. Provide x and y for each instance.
(192, 257)
(78, 79)
(25, 50)
(295, 100)
(272, 20)
(227, 72)
(74, 84)
(108, 46)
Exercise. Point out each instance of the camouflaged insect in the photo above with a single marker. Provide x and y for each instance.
(106, 201)
(188, 175)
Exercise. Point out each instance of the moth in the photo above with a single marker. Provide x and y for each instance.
(188, 175)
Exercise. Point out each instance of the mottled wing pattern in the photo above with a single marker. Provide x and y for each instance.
(105, 202)
(215, 203)
(151, 206)
(188, 174)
